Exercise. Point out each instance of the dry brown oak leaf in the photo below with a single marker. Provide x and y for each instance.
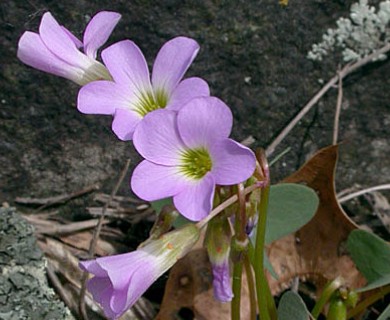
(316, 252)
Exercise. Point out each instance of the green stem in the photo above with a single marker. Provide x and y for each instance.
(236, 302)
(326, 295)
(265, 301)
(251, 287)
(241, 238)
(369, 301)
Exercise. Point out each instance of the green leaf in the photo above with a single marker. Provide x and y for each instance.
(290, 207)
(159, 204)
(371, 255)
(292, 307)
(385, 315)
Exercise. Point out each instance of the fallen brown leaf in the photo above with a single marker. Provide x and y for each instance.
(316, 251)
(189, 290)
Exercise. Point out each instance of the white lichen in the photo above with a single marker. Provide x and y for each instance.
(365, 31)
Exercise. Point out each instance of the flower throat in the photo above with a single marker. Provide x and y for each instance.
(196, 163)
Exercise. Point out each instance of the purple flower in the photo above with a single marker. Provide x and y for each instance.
(56, 50)
(221, 281)
(133, 94)
(120, 280)
(187, 153)
(217, 242)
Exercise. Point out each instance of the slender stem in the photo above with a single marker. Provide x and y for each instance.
(349, 68)
(361, 192)
(241, 215)
(95, 238)
(240, 238)
(338, 111)
(261, 281)
(236, 302)
(369, 301)
(326, 295)
(251, 287)
(224, 205)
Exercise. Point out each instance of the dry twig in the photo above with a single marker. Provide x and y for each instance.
(46, 202)
(96, 234)
(348, 69)
(338, 111)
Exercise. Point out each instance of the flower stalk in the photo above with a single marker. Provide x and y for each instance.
(266, 304)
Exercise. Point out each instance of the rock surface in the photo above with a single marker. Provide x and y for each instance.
(24, 291)
(253, 54)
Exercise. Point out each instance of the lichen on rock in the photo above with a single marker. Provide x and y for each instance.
(365, 31)
(24, 290)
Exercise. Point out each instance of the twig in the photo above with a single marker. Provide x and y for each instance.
(102, 197)
(361, 192)
(338, 110)
(58, 286)
(46, 202)
(92, 247)
(52, 228)
(349, 68)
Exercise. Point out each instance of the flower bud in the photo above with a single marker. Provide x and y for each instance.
(218, 238)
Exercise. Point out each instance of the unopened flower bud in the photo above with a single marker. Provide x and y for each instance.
(218, 238)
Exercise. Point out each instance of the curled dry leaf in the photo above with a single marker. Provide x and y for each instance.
(316, 252)
(189, 291)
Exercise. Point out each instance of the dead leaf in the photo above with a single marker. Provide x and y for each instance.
(316, 251)
(189, 290)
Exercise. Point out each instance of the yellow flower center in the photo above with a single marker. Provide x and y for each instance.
(195, 163)
(149, 102)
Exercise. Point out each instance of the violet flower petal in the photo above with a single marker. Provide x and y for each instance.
(33, 52)
(124, 123)
(204, 120)
(102, 291)
(195, 200)
(172, 61)
(156, 138)
(152, 181)
(232, 162)
(58, 42)
(101, 97)
(72, 37)
(187, 90)
(98, 31)
(128, 67)
(221, 282)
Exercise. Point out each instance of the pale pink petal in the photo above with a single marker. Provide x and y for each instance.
(232, 162)
(130, 274)
(33, 52)
(153, 181)
(195, 201)
(98, 31)
(187, 90)
(204, 120)
(58, 42)
(156, 138)
(101, 97)
(128, 66)
(75, 40)
(125, 122)
(102, 291)
(172, 62)
(93, 267)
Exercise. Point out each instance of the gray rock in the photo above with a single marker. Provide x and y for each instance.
(253, 54)
(24, 290)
